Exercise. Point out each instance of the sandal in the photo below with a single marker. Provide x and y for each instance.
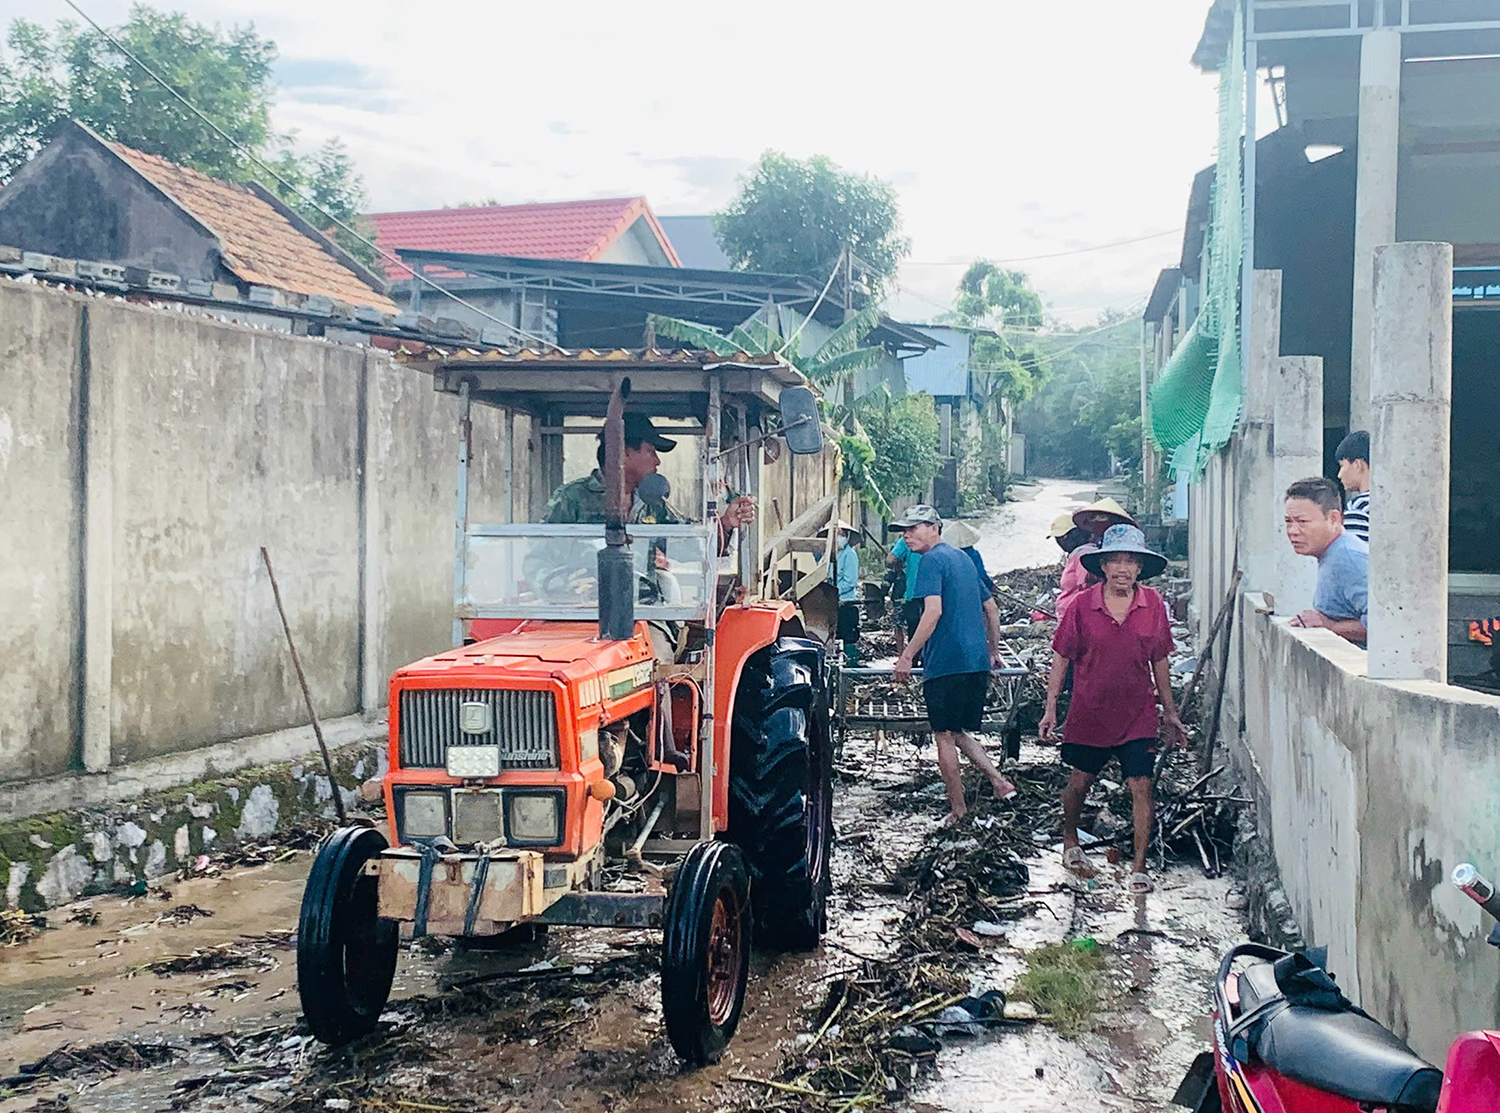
(1141, 884)
(1075, 860)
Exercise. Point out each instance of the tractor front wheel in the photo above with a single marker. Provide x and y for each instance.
(705, 951)
(346, 954)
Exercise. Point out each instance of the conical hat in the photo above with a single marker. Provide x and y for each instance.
(1105, 506)
(960, 535)
(1061, 525)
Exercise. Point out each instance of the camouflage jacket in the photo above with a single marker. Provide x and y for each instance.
(582, 500)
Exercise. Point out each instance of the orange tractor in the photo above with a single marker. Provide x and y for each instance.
(618, 693)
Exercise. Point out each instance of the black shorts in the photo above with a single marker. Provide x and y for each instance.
(848, 623)
(1137, 757)
(956, 702)
(911, 614)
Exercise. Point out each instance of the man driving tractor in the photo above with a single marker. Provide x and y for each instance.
(582, 500)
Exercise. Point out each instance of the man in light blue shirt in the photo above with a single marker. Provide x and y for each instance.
(846, 578)
(1315, 528)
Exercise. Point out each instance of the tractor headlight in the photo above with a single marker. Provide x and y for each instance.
(424, 815)
(476, 818)
(533, 818)
(588, 744)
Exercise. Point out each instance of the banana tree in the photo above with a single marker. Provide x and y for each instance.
(831, 365)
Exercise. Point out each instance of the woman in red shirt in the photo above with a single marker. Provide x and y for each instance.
(1116, 637)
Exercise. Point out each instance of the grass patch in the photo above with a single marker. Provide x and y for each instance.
(1065, 981)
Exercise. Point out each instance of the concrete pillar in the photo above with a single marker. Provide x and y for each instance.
(1375, 198)
(1412, 381)
(96, 385)
(1260, 517)
(1297, 412)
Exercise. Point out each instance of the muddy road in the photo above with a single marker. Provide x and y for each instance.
(185, 997)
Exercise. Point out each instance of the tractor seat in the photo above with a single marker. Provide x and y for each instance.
(1342, 1053)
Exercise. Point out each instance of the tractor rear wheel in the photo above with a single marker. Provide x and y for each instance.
(781, 791)
(705, 951)
(346, 954)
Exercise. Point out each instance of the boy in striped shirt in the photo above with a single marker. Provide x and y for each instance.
(1353, 455)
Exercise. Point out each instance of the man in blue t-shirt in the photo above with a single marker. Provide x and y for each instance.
(960, 647)
(1315, 528)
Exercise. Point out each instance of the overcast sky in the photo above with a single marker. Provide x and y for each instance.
(1011, 128)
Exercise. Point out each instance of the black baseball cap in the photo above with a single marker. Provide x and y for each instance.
(639, 430)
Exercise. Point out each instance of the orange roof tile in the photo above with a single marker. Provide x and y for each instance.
(576, 230)
(261, 245)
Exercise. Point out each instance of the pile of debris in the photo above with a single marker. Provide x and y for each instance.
(17, 927)
(880, 1025)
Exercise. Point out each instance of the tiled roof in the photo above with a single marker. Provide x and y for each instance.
(574, 230)
(261, 245)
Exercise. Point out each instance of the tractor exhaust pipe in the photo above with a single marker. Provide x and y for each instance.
(616, 567)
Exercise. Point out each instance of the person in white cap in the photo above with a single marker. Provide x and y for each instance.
(960, 645)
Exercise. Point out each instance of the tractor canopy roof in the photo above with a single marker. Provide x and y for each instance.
(561, 383)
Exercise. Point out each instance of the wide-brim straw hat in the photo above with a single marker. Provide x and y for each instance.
(1107, 508)
(1125, 539)
(960, 535)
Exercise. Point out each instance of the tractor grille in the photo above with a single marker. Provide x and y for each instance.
(524, 726)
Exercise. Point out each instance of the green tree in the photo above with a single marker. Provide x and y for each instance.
(795, 216)
(1004, 302)
(76, 73)
(904, 433)
(1090, 406)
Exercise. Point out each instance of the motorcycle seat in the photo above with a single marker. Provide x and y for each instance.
(1343, 1053)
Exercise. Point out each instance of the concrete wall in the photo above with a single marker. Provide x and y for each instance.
(40, 542)
(1371, 792)
(145, 457)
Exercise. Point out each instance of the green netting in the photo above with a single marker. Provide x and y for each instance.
(1197, 398)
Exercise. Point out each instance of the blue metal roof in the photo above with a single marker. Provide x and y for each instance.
(942, 371)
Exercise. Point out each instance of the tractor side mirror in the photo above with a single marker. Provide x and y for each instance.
(800, 425)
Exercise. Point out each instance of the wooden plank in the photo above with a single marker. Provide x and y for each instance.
(809, 521)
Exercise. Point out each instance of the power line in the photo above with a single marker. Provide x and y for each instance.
(1049, 255)
(251, 156)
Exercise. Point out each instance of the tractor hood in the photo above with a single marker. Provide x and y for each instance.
(540, 648)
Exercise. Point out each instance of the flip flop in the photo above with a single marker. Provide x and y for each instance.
(1075, 860)
(1141, 884)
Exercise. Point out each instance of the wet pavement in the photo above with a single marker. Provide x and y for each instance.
(473, 1030)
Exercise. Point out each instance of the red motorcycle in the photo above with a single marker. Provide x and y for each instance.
(1287, 1041)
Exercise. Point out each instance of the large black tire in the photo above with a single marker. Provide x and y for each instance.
(781, 791)
(346, 954)
(705, 951)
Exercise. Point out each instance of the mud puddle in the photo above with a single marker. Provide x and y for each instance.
(1162, 952)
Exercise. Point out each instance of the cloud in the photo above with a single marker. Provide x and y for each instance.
(1008, 129)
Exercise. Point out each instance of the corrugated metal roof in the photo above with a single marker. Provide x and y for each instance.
(575, 230)
(1167, 284)
(942, 371)
(694, 240)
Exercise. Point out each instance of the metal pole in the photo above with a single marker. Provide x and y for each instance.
(742, 481)
(509, 421)
(333, 785)
(711, 535)
(1247, 262)
(461, 517)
